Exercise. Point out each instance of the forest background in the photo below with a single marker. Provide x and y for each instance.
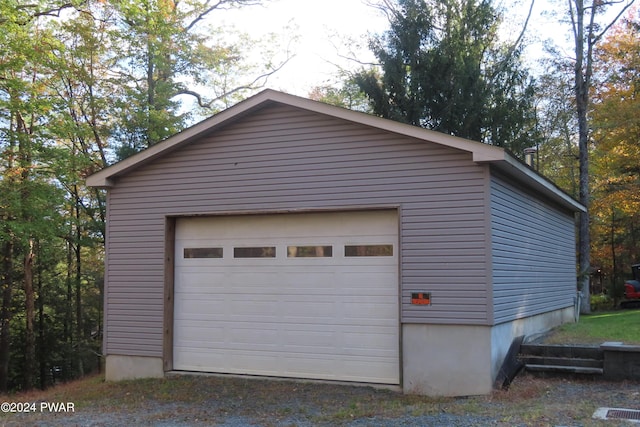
(86, 83)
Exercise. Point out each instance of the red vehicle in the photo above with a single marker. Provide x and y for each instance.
(632, 289)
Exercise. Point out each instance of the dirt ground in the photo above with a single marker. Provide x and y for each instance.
(233, 402)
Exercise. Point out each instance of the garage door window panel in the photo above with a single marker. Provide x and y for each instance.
(255, 252)
(203, 252)
(368, 250)
(309, 251)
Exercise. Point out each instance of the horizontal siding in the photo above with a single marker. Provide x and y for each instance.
(281, 158)
(533, 254)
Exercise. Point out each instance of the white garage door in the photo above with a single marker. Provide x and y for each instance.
(295, 295)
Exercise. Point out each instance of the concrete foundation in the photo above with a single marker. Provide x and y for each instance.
(502, 335)
(437, 360)
(446, 360)
(118, 367)
(459, 360)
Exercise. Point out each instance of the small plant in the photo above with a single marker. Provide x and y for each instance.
(602, 302)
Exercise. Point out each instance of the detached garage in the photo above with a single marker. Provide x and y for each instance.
(288, 238)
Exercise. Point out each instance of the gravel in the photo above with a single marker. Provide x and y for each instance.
(232, 402)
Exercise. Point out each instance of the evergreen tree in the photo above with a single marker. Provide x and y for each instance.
(443, 67)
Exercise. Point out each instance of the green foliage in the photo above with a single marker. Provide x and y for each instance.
(150, 37)
(82, 83)
(602, 302)
(558, 153)
(32, 205)
(164, 52)
(85, 83)
(348, 95)
(615, 120)
(442, 67)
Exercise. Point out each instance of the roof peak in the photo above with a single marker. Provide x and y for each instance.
(481, 153)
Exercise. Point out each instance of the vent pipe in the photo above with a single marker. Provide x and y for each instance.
(529, 158)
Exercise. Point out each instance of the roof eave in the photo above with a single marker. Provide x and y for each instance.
(514, 167)
(105, 178)
(481, 153)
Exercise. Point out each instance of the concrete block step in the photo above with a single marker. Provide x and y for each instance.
(564, 369)
(570, 351)
(560, 361)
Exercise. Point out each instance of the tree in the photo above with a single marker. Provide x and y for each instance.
(23, 206)
(164, 52)
(75, 79)
(347, 95)
(558, 152)
(82, 96)
(443, 67)
(615, 123)
(587, 32)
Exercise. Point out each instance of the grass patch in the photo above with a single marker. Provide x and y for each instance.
(596, 328)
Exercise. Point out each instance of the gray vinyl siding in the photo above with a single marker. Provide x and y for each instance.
(282, 158)
(134, 299)
(533, 254)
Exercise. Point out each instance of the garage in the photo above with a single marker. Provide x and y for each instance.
(307, 295)
(284, 237)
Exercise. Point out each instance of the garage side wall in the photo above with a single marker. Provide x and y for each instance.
(533, 254)
(280, 159)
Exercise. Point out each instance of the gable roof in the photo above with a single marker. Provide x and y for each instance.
(481, 153)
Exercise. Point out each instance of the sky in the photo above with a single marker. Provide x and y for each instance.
(322, 25)
(319, 26)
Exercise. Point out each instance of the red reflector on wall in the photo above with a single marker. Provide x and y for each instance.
(421, 298)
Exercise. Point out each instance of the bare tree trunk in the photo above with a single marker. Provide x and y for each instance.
(78, 280)
(42, 353)
(584, 247)
(614, 263)
(68, 318)
(582, 81)
(5, 314)
(30, 342)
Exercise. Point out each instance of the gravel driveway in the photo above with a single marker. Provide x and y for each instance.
(231, 402)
